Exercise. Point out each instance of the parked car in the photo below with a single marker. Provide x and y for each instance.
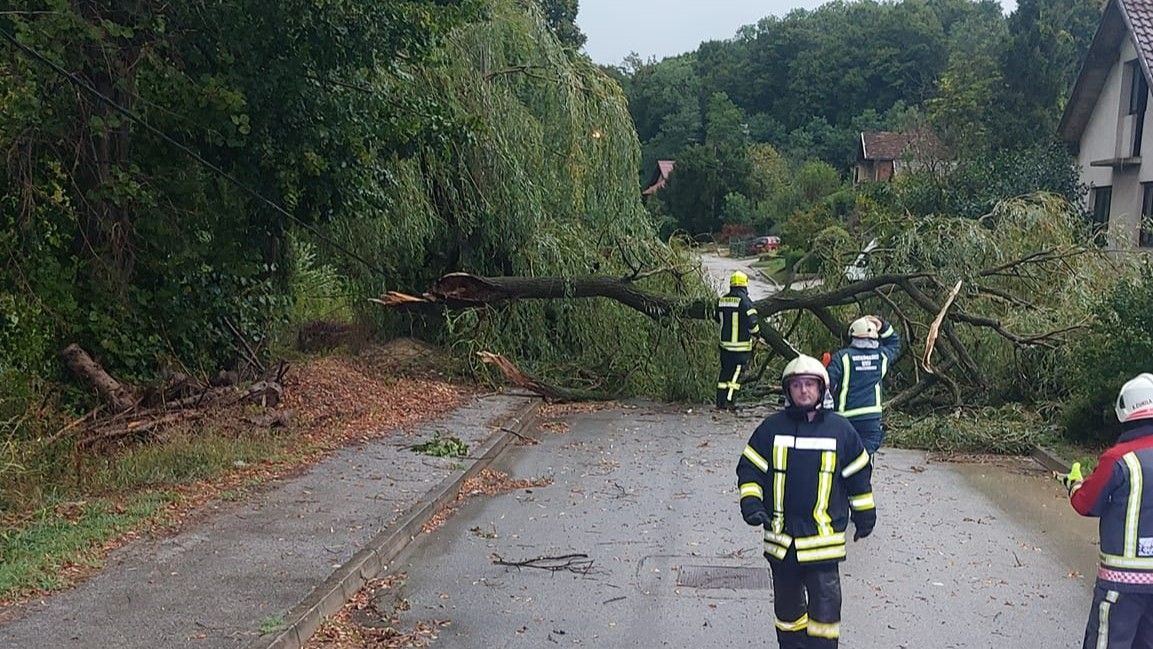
(859, 269)
(762, 245)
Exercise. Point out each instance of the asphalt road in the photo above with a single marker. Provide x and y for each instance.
(717, 271)
(964, 556)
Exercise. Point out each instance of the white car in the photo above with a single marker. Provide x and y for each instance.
(859, 269)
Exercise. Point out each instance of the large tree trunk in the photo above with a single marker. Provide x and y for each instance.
(466, 291)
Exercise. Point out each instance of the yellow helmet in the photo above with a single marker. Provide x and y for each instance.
(739, 279)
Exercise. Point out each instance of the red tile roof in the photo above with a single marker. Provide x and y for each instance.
(1140, 18)
(890, 145)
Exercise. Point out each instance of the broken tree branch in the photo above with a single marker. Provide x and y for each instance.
(117, 395)
(935, 327)
(581, 564)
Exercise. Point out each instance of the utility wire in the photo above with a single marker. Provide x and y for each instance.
(83, 85)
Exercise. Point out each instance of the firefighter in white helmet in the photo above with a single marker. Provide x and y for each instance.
(739, 329)
(856, 373)
(803, 475)
(1120, 493)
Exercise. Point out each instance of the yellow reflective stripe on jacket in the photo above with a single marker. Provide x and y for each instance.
(752, 489)
(861, 462)
(843, 398)
(795, 625)
(862, 502)
(755, 457)
(884, 371)
(819, 541)
(780, 465)
(734, 330)
(1138, 563)
(780, 456)
(746, 346)
(824, 490)
(857, 412)
(1133, 510)
(821, 554)
(774, 550)
(751, 311)
(778, 538)
(831, 631)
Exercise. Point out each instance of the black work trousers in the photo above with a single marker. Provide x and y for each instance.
(807, 603)
(1119, 620)
(732, 364)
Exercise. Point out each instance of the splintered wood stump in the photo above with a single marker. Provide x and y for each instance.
(117, 395)
(552, 393)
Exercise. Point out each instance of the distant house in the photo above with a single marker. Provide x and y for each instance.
(1105, 122)
(881, 155)
(658, 180)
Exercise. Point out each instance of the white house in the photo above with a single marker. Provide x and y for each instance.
(1108, 124)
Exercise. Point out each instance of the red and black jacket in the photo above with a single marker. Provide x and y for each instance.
(1120, 493)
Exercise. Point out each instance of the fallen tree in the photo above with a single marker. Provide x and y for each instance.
(134, 411)
(912, 299)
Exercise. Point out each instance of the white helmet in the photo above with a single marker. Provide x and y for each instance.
(1135, 401)
(865, 327)
(805, 366)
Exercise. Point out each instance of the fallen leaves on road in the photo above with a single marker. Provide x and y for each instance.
(362, 625)
(557, 427)
(489, 482)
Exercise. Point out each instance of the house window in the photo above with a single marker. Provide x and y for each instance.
(1145, 236)
(1138, 88)
(1138, 101)
(1102, 197)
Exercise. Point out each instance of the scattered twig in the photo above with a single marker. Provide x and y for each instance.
(532, 441)
(581, 564)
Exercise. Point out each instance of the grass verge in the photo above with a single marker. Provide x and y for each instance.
(63, 509)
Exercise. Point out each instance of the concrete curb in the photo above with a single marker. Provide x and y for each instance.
(1050, 460)
(329, 597)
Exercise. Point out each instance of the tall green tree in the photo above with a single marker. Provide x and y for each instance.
(1047, 40)
(560, 16)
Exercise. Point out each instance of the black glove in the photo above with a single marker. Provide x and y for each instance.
(759, 517)
(864, 521)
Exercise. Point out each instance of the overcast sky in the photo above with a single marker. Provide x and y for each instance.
(666, 27)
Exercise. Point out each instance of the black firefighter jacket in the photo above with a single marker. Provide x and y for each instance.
(810, 476)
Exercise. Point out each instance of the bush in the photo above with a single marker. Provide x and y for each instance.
(1118, 346)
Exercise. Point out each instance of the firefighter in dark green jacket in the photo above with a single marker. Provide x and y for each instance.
(739, 327)
(803, 475)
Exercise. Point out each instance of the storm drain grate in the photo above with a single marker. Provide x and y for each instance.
(736, 578)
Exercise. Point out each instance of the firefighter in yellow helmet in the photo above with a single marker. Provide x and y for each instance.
(738, 319)
(803, 475)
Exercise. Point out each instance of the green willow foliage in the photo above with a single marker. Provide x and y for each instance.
(1047, 294)
(405, 139)
(545, 186)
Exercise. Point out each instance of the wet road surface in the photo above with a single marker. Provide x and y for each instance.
(964, 556)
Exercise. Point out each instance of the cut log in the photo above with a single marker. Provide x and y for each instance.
(117, 395)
